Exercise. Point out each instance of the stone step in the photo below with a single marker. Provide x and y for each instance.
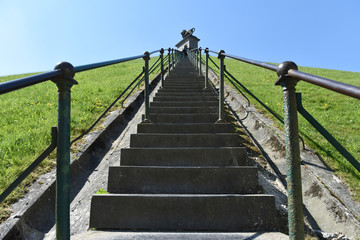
(185, 128)
(190, 90)
(183, 118)
(183, 94)
(183, 212)
(185, 98)
(185, 140)
(184, 110)
(183, 84)
(225, 156)
(133, 235)
(184, 104)
(183, 180)
(185, 87)
(184, 81)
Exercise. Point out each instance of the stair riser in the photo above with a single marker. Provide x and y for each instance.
(181, 118)
(184, 94)
(183, 212)
(183, 180)
(184, 104)
(185, 128)
(184, 157)
(188, 110)
(191, 90)
(185, 99)
(186, 140)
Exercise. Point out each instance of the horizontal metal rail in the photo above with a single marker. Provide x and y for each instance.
(108, 63)
(16, 84)
(336, 86)
(104, 64)
(12, 85)
(343, 88)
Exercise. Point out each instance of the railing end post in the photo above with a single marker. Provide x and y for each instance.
(67, 68)
(69, 73)
(283, 70)
(293, 161)
(64, 84)
(146, 55)
(220, 54)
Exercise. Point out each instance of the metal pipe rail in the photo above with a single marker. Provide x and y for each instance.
(288, 76)
(16, 84)
(63, 75)
(290, 69)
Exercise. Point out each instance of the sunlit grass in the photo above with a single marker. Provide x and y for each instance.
(27, 115)
(339, 114)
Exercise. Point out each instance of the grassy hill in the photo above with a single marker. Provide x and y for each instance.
(339, 114)
(27, 115)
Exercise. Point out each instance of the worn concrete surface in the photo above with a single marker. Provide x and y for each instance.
(109, 235)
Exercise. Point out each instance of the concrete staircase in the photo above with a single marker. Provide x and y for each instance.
(183, 171)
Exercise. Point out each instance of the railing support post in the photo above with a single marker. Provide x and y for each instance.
(196, 59)
(221, 86)
(172, 58)
(162, 66)
(147, 91)
(206, 66)
(169, 61)
(293, 168)
(64, 85)
(199, 61)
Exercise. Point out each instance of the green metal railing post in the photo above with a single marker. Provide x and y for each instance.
(293, 168)
(173, 60)
(64, 85)
(206, 66)
(162, 66)
(147, 91)
(196, 59)
(221, 86)
(169, 61)
(200, 61)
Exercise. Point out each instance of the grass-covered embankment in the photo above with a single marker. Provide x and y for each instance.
(339, 114)
(27, 115)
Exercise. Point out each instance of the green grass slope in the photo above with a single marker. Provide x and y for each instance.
(339, 114)
(27, 115)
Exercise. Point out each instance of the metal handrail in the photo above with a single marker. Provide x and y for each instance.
(343, 88)
(16, 84)
(253, 62)
(336, 86)
(63, 75)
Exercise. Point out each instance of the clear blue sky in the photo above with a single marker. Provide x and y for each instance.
(36, 34)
